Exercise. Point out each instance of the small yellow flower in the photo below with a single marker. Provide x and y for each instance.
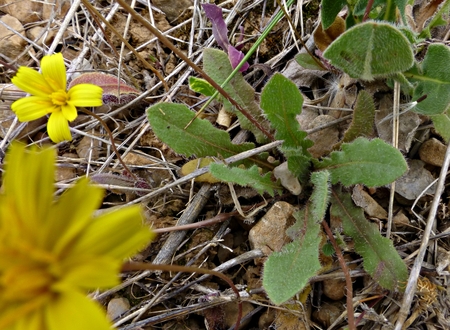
(53, 252)
(49, 95)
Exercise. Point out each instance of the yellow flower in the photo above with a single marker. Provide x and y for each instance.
(53, 251)
(50, 96)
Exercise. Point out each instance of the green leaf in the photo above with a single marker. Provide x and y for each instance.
(217, 65)
(381, 260)
(288, 271)
(321, 194)
(370, 50)
(363, 117)
(201, 86)
(330, 9)
(307, 62)
(282, 102)
(298, 164)
(442, 126)
(245, 177)
(201, 138)
(432, 78)
(373, 163)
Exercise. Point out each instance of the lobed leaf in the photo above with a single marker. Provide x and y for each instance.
(282, 102)
(245, 177)
(372, 163)
(370, 50)
(381, 260)
(201, 138)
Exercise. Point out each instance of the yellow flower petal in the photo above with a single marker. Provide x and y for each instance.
(74, 311)
(90, 272)
(32, 82)
(119, 234)
(58, 128)
(54, 71)
(28, 186)
(86, 95)
(32, 107)
(58, 235)
(69, 112)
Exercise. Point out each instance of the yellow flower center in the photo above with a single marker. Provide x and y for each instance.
(60, 97)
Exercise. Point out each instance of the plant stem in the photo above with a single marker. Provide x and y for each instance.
(348, 279)
(111, 137)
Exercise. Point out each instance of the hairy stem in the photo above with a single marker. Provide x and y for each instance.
(348, 279)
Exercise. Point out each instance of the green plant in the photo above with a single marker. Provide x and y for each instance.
(367, 50)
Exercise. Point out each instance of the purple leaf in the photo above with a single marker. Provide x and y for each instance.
(239, 44)
(236, 57)
(219, 27)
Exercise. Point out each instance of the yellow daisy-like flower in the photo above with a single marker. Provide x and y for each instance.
(53, 252)
(49, 95)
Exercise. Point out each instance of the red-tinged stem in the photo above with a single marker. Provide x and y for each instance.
(348, 279)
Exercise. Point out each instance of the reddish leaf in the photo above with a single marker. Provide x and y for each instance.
(114, 90)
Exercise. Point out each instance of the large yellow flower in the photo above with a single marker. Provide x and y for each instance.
(50, 96)
(53, 252)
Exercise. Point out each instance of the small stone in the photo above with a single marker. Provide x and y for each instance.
(401, 221)
(44, 37)
(66, 171)
(287, 179)
(173, 8)
(31, 11)
(117, 307)
(11, 45)
(432, 152)
(334, 288)
(89, 148)
(269, 234)
(370, 206)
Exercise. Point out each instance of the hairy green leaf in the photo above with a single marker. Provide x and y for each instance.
(330, 9)
(217, 65)
(282, 102)
(432, 78)
(321, 194)
(298, 164)
(371, 50)
(245, 177)
(363, 118)
(306, 61)
(201, 138)
(288, 271)
(381, 260)
(373, 163)
(442, 126)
